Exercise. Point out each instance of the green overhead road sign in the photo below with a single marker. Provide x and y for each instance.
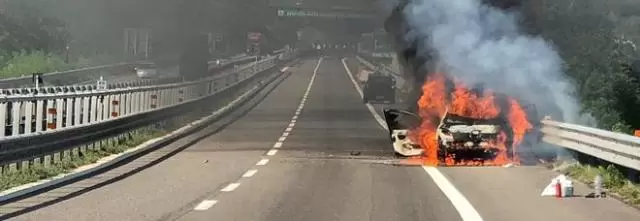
(309, 13)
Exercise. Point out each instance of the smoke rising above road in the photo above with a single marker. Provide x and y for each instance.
(483, 46)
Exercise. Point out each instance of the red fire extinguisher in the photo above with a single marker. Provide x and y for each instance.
(558, 189)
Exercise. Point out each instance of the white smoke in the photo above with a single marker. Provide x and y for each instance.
(480, 44)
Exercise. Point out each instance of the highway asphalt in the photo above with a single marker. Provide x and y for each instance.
(311, 150)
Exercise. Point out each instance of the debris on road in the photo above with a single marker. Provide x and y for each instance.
(560, 187)
(509, 165)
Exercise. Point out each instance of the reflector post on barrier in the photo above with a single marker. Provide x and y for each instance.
(52, 112)
(114, 108)
(154, 101)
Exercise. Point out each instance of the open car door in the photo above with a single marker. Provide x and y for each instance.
(399, 122)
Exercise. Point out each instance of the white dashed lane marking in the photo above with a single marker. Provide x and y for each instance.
(230, 187)
(205, 205)
(272, 152)
(249, 173)
(262, 162)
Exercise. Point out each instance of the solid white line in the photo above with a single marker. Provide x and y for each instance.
(281, 139)
(285, 134)
(279, 144)
(462, 205)
(249, 173)
(272, 152)
(292, 125)
(262, 162)
(205, 205)
(369, 106)
(288, 129)
(230, 187)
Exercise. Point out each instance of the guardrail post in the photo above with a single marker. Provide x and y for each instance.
(3, 119)
(121, 108)
(59, 112)
(180, 95)
(135, 102)
(105, 100)
(15, 117)
(153, 102)
(51, 113)
(69, 112)
(77, 110)
(85, 110)
(115, 104)
(28, 117)
(39, 115)
(94, 109)
(128, 109)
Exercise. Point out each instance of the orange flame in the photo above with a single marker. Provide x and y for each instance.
(435, 102)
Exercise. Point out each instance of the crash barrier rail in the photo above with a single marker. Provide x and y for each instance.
(39, 125)
(72, 76)
(231, 64)
(616, 148)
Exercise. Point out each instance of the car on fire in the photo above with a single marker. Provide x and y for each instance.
(459, 138)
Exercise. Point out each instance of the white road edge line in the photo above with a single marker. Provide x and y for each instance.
(230, 187)
(285, 134)
(281, 139)
(463, 206)
(272, 152)
(294, 117)
(279, 144)
(205, 205)
(292, 124)
(249, 173)
(262, 162)
(288, 129)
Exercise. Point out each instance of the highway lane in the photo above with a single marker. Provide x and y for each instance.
(312, 151)
(329, 168)
(175, 185)
(514, 193)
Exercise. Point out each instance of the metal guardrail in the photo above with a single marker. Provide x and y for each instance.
(39, 124)
(616, 148)
(77, 75)
(231, 63)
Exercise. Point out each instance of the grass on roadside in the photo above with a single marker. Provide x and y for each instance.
(25, 63)
(37, 172)
(614, 180)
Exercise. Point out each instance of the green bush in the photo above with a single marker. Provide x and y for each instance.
(613, 179)
(24, 63)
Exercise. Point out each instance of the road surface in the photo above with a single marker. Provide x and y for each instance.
(311, 150)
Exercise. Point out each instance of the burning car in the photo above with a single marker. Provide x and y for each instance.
(457, 125)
